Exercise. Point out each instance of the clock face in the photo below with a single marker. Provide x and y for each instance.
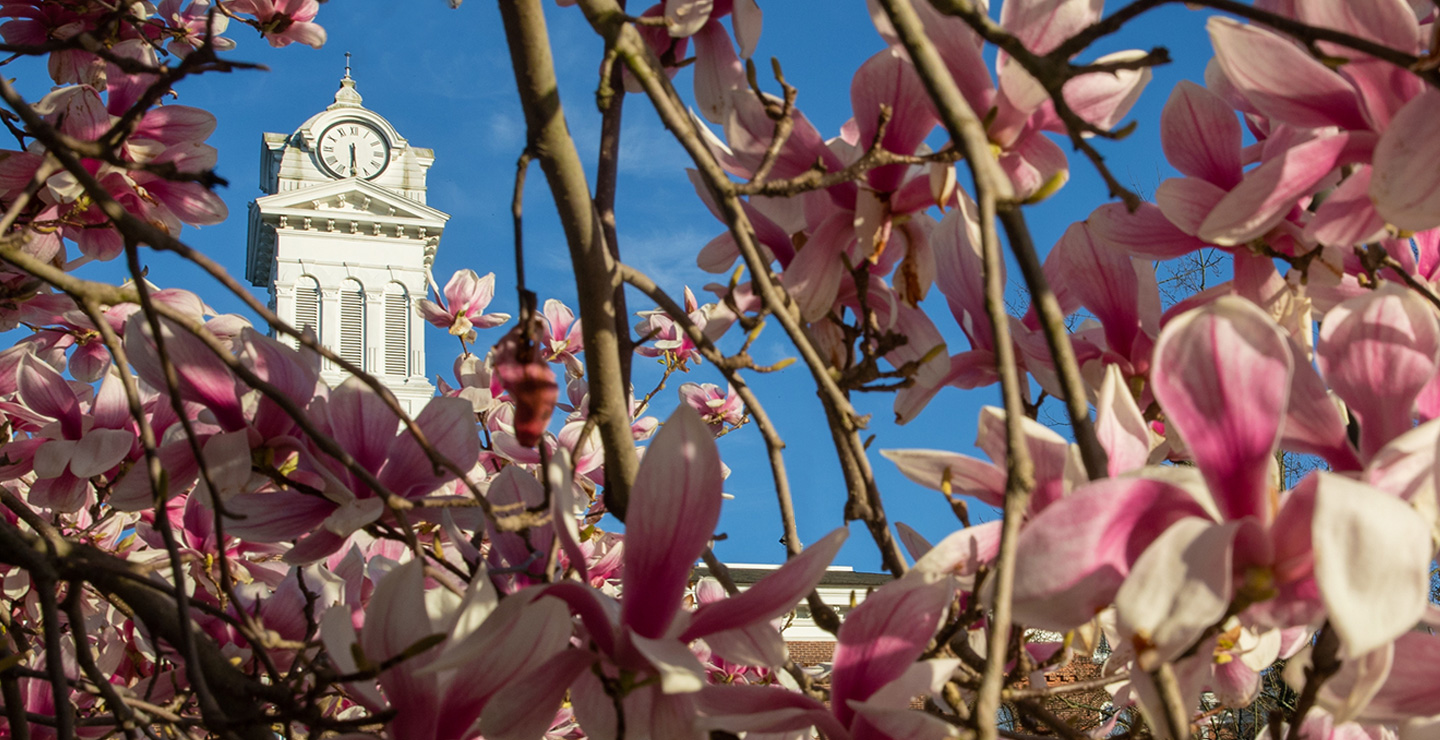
(353, 149)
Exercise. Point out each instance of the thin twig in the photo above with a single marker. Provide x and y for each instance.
(991, 185)
(1052, 324)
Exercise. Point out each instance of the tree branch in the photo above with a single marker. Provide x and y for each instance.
(596, 277)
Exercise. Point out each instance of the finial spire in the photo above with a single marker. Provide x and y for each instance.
(347, 96)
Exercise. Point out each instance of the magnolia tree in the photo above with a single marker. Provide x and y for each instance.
(201, 538)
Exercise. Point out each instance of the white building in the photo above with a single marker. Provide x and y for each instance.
(842, 587)
(343, 240)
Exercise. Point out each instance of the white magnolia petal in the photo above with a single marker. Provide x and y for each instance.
(1372, 562)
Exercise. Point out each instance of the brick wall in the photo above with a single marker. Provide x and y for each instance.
(1078, 709)
(811, 653)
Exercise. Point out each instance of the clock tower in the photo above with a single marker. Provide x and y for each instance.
(343, 240)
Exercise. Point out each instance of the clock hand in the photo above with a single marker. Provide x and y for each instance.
(352, 160)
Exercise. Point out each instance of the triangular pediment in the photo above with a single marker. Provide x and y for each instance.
(351, 198)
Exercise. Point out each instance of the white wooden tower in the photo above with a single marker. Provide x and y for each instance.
(343, 240)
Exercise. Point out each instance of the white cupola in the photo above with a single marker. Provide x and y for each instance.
(343, 240)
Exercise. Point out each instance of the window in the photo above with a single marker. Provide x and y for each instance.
(397, 330)
(307, 305)
(352, 323)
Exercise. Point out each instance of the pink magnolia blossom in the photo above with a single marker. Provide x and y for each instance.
(192, 27)
(467, 295)
(283, 21)
(715, 408)
(876, 671)
(1169, 555)
(674, 507)
(363, 425)
(667, 338)
(434, 694)
(71, 447)
(562, 339)
(1022, 111)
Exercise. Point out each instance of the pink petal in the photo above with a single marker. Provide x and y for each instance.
(773, 595)
(1103, 98)
(1348, 216)
(958, 473)
(959, 47)
(1383, 87)
(100, 450)
(524, 709)
(174, 124)
(1201, 136)
(1388, 22)
(749, 131)
(563, 500)
(1407, 691)
(1268, 192)
(1119, 425)
(1101, 278)
(1053, 456)
(204, 379)
(362, 423)
(1378, 351)
(1405, 188)
(813, 278)
(674, 507)
(718, 72)
(718, 254)
(449, 427)
(961, 553)
(77, 111)
(901, 724)
(395, 620)
(1222, 375)
(914, 542)
(756, 644)
(883, 636)
(959, 271)
(1075, 554)
(680, 672)
(276, 517)
(1406, 466)
(53, 457)
(746, 18)
(190, 202)
(1312, 422)
(925, 343)
(1282, 80)
(685, 17)
(64, 494)
(46, 392)
(765, 709)
(973, 369)
(888, 79)
(1145, 233)
(1037, 167)
(1043, 24)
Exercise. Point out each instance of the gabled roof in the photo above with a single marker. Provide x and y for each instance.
(352, 198)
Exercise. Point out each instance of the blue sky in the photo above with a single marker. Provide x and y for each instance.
(442, 77)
